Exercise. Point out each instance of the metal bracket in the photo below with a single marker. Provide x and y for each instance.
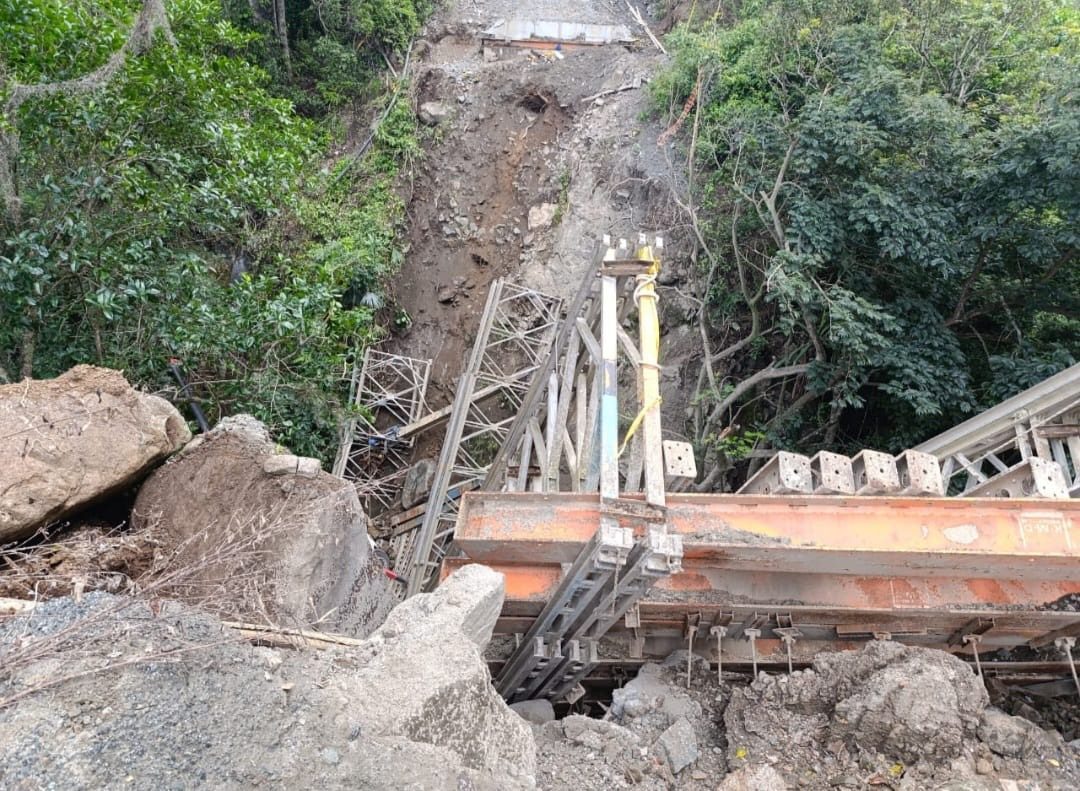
(752, 635)
(920, 474)
(976, 626)
(784, 473)
(719, 632)
(1032, 478)
(831, 473)
(875, 473)
(973, 640)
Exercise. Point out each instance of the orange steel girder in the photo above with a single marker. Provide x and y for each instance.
(921, 568)
(992, 538)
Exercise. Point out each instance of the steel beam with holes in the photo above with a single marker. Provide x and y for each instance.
(849, 620)
(597, 559)
(993, 538)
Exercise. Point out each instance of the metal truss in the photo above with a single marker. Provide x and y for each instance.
(1006, 442)
(517, 329)
(565, 437)
(387, 393)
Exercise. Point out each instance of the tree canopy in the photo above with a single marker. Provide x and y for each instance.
(886, 196)
(164, 200)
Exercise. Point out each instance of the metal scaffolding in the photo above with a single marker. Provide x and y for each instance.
(1026, 446)
(387, 393)
(517, 329)
(566, 438)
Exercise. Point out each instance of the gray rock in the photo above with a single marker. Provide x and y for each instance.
(287, 464)
(433, 113)
(905, 703)
(606, 737)
(291, 546)
(753, 778)
(541, 216)
(417, 483)
(70, 441)
(535, 711)
(1006, 735)
(471, 606)
(679, 743)
(426, 679)
(648, 691)
(412, 707)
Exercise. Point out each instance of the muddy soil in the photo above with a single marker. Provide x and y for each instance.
(523, 130)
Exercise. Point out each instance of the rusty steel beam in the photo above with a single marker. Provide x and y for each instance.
(992, 539)
(838, 598)
(528, 586)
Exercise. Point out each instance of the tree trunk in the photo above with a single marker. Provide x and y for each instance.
(29, 340)
(281, 29)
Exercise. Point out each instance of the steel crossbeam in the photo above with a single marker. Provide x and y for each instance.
(989, 537)
(839, 569)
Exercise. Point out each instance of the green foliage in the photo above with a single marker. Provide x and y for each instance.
(926, 161)
(338, 47)
(738, 445)
(178, 211)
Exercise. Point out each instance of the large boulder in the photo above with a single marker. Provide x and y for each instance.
(905, 703)
(68, 442)
(426, 679)
(149, 697)
(257, 533)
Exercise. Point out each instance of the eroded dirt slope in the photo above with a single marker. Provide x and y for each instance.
(514, 131)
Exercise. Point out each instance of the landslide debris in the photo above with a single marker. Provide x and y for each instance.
(114, 692)
(267, 536)
(888, 716)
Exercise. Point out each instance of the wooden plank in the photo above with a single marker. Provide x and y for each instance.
(591, 344)
(628, 346)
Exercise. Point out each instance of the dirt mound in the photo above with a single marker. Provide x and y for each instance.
(68, 442)
(115, 692)
(265, 536)
(886, 713)
(888, 717)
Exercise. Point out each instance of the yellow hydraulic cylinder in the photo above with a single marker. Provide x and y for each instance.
(649, 371)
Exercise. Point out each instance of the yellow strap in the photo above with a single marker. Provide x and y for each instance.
(637, 422)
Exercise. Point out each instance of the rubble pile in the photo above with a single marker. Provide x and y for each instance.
(887, 716)
(113, 692)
